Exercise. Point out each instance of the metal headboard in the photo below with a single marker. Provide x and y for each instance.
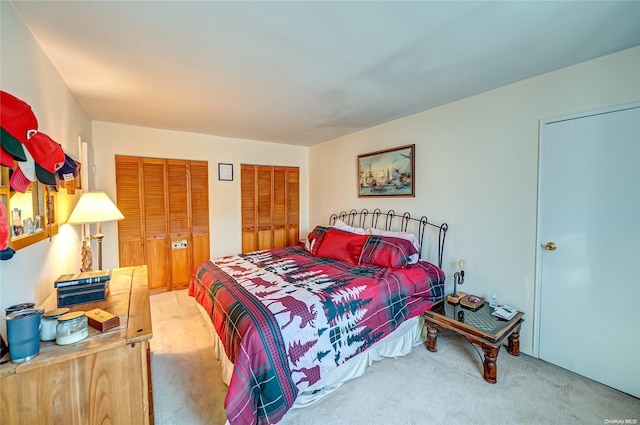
(392, 221)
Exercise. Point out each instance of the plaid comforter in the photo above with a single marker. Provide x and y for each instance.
(286, 318)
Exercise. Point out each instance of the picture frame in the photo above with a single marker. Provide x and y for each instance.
(225, 171)
(27, 226)
(387, 173)
(16, 222)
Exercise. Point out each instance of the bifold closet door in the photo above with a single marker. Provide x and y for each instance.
(142, 199)
(279, 218)
(270, 206)
(166, 226)
(179, 207)
(154, 207)
(293, 206)
(131, 229)
(263, 207)
(248, 187)
(199, 189)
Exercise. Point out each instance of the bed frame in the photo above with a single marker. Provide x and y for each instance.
(392, 221)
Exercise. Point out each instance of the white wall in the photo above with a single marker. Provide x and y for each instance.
(27, 73)
(477, 169)
(224, 196)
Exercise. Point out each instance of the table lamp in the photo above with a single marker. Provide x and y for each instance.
(458, 279)
(95, 207)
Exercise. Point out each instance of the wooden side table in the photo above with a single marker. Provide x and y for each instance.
(479, 327)
(105, 378)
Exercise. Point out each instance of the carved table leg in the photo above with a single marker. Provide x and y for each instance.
(490, 368)
(514, 344)
(432, 335)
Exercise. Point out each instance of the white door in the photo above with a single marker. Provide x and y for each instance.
(588, 288)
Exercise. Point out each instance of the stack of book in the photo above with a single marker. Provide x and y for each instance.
(81, 288)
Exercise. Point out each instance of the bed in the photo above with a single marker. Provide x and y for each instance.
(292, 324)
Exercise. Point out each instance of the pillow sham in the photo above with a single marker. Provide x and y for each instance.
(402, 235)
(342, 246)
(314, 239)
(341, 225)
(387, 251)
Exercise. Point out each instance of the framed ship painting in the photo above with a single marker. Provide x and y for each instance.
(387, 173)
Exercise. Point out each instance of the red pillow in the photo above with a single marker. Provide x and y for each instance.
(342, 246)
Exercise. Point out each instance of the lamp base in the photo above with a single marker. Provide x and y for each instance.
(86, 257)
(456, 299)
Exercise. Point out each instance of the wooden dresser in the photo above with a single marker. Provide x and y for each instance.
(104, 379)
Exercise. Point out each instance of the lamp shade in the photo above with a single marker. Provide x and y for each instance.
(94, 207)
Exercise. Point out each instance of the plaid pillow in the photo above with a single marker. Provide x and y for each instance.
(314, 239)
(387, 251)
(402, 235)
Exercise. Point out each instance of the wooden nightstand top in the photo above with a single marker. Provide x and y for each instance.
(479, 323)
(128, 299)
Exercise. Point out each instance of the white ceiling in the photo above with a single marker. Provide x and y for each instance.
(306, 72)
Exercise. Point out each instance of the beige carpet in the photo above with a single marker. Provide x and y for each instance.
(422, 388)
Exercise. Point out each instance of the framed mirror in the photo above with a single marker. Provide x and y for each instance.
(32, 215)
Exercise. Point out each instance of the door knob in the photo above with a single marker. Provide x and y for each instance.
(550, 246)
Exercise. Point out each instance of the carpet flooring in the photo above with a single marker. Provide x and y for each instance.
(445, 387)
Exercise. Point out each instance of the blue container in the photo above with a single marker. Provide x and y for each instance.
(23, 334)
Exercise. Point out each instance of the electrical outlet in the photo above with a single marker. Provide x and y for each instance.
(179, 244)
